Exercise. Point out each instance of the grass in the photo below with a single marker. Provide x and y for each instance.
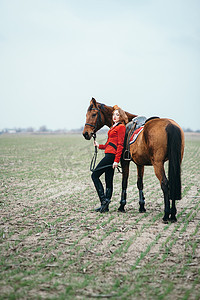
(54, 246)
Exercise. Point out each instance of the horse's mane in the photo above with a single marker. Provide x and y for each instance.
(99, 106)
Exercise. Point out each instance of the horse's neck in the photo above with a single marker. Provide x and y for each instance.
(130, 116)
(108, 115)
(108, 110)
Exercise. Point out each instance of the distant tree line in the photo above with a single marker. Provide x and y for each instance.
(190, 130)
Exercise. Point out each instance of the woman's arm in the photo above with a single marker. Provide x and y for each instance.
(120, 143)
(103, 146)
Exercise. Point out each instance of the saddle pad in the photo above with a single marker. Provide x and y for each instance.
(135, 135)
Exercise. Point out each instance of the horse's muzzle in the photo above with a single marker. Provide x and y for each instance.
(86, 135)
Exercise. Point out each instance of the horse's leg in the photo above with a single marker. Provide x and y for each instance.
(160, 173)
(140, 173)
(173, 212)
(125, 174)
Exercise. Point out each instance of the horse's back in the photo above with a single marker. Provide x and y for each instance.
(157, 130)
(152, 142)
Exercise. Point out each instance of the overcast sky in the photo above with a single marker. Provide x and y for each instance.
(56, 55)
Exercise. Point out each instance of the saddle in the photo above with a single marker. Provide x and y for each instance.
(131, 127)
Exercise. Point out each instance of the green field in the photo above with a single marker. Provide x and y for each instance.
(54, 245)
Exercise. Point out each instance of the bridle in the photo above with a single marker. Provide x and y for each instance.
(99, 119)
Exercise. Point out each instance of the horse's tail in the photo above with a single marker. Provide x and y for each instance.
(174, 141)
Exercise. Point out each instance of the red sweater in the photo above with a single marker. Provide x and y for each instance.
(115, 142)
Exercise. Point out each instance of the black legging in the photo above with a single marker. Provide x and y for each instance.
(109, 171)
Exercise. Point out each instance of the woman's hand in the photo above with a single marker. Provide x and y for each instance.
(96, 144)
(115, 165)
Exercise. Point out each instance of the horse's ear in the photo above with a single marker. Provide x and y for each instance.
(93, 101)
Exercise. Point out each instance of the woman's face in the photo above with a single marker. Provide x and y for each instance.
(116, 116)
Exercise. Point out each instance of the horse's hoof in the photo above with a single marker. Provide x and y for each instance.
(121, 209)
(173, 219)
(165, 222)
(142, 208)
(165, 219)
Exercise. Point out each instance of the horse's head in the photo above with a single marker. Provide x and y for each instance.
(94, 119)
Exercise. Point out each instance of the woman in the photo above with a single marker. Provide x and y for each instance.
(113, 150)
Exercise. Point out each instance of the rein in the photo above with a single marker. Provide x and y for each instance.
(94, 158)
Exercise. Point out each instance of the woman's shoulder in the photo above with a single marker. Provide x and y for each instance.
(121, 125)
(121, 128)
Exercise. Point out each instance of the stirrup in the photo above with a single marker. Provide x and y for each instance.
(128, 155)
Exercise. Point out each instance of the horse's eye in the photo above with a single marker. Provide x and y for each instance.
(93, 115)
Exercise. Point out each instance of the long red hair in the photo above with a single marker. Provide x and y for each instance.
(122, 115)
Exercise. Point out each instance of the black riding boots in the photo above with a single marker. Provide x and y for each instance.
(104, 198)
(106, 201)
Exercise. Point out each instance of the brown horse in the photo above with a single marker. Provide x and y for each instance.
(161, 140)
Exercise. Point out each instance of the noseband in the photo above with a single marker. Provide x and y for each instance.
(99, 119)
